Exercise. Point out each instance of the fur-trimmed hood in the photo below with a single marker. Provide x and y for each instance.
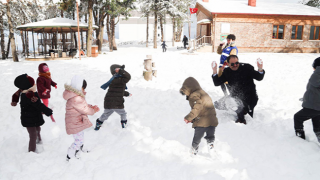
(71, 92)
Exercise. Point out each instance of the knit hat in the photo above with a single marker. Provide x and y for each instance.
(77, 82)
(43, 68)
(114, 66)
(23, 82)
(316, 63)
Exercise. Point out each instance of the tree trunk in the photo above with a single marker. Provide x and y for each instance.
(173, 30)
(8, 46)
(61, 13)
(89, 40)
(114, 44)
(3, 52)
(23, 40)
(147, 41)
(100, 39)
(74, 34)
(12, 39)
(161, 26)
(155, 35)
(179, 32)
(109, 33)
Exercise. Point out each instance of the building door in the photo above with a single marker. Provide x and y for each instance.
(208, 30)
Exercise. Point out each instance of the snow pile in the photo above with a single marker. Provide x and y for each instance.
(157, 141)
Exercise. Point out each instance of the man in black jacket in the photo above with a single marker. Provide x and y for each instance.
(242, 88)
(185, 41)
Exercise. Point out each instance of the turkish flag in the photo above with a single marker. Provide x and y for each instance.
(193, 10)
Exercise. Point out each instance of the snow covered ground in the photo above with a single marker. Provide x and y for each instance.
(157, 141)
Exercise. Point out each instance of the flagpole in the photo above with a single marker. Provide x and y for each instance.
(189, 23)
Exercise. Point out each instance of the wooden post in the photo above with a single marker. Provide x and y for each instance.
(45, 44)
(213, 30)
(34, 52)
(25, 43)
(78, 33)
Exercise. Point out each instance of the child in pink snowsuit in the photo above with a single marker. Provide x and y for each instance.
(77, 110)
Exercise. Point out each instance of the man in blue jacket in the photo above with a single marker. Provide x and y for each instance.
(311, 104)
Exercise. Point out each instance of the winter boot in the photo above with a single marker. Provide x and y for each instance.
(98, 125)
(241, 121)
(300, 133)
(318, 136)
(194, 151)
(210, 145)
(124, 123)
(72, 154)
(84, 149)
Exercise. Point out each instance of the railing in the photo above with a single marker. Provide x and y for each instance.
(200, 42)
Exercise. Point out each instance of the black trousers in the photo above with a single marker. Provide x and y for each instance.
(34, 133)
(306, 114)
(199, 133)
(164, 49)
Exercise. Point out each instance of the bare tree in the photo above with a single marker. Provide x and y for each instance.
(12, 39)
(89, 40)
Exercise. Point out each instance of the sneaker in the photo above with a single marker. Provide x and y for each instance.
(194, 151)
(300, 133)
(84, 149)
(98, 125)
(241, 121)
(124, 123)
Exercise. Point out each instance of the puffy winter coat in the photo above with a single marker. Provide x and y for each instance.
(241, 83)
(311, 98)
(114, 97)
(31, 112)
(43, 84)
(77, 110)
(203, 113)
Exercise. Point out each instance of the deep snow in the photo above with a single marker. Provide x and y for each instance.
(157, 141)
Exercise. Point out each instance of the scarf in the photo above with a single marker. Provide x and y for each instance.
(107, 84)
(46, 75)
(29, 93)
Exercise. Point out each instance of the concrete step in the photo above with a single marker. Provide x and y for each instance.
(207, 48)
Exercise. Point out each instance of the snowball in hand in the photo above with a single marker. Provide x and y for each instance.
(259, 61)
(213, 64)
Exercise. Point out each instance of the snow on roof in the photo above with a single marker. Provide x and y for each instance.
(55, 22)
(204, 21)
(242, 7)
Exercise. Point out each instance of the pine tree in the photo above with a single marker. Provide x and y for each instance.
(313, 3)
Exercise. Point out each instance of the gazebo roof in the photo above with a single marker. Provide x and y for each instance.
(54, 25)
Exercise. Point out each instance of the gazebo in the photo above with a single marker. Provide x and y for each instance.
(56, 39)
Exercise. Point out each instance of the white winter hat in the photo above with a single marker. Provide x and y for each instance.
(77, 82)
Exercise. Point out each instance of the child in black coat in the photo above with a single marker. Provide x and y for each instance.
(164, 49)
(31, 108)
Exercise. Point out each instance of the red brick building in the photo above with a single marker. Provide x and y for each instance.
(259, 26)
